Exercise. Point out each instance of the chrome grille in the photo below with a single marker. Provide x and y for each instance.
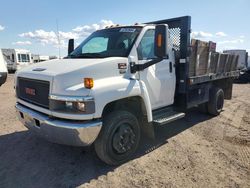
(33, 91)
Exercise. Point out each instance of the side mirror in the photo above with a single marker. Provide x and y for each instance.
(161, 41)
(71, 46)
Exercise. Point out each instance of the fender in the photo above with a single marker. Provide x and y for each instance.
(104, 93)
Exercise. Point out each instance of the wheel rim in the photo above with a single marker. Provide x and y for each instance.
(123, 139)
(220, 102)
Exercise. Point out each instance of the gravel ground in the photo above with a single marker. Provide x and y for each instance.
(197, 151)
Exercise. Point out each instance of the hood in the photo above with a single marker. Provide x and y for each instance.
(66, 75)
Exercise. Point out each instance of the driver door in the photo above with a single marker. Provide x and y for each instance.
(158, 78)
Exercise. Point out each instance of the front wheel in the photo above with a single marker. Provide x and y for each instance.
(119, 138)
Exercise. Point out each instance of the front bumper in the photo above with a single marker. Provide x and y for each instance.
(67, 132)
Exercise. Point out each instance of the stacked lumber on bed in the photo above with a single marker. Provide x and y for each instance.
(204, 60)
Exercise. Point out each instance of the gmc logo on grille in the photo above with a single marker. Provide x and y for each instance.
(30, 91)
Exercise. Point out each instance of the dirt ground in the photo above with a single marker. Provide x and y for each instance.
(197, 151)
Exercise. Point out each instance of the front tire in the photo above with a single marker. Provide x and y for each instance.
(119, 138)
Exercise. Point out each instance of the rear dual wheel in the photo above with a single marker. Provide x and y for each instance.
(216, 101)
(215, 104)
(119, 138)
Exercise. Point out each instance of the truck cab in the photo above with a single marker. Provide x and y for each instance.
(119, 81)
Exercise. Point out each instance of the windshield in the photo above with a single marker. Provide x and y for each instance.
(112, 42)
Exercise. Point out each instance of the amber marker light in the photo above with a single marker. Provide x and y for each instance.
(159, 40)
(88, 83)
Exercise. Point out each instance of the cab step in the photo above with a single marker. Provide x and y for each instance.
(166, 116)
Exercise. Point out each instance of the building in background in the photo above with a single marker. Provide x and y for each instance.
(16, 58)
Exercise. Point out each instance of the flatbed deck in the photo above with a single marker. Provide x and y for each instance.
(212, 77)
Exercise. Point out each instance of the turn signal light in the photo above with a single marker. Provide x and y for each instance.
(88, 83)
(159, 40)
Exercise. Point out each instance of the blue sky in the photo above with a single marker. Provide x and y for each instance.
(32, 25)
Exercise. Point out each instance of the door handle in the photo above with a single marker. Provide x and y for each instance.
(170, 66)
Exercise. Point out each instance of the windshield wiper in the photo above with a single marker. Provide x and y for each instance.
(87, 55)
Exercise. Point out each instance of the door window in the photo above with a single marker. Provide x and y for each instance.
(145, 49)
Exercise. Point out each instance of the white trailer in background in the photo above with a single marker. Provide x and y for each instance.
(39, 58)
(3, 70)
(16, 58)
(243, 58)
(36, 58)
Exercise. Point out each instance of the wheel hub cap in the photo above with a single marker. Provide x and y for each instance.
(123, 139)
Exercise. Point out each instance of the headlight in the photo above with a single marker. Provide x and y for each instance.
(75, 106)
(69, 104)
(80, 106)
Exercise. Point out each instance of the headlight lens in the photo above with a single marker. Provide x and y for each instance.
(80, 106)
(75, 106)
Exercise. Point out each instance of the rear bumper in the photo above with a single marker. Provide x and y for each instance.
(74, 133)
(3, 77)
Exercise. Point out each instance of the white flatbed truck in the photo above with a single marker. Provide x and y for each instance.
(117, 82)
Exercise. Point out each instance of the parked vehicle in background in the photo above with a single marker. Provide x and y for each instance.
(3, 70)
(39, 58)
(16, 59)
(243, 65)
(120, 81)
(36, 58)
(243, 58)
(248, 64)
